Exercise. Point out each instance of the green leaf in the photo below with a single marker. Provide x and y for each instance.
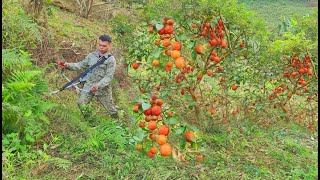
(159, 26)
(201, 63)
(28, 113)
(5, 142)
(182, 37)
(136, 138)
(29, 138)
(190, 45)
(191, 104)
(156, 54)
(173, 120)
(183, 143)
(194, 55)
(194, 144)
(180, 129)
(145, 106)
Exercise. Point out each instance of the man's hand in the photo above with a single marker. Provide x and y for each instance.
(61, 64)
(94, 88)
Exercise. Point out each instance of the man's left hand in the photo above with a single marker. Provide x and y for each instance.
(94, 88)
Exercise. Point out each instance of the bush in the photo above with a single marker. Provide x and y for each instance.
(18, 29)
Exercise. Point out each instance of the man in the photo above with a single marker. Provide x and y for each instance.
(98, 81)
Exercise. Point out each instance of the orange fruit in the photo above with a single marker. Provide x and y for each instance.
(163, 129)
(147, 112)
(170, 113)
(151, 102)
(222, 79)
(212, 57)
(182, 92)
(135, 65)
(216, 59)
(309, 72)
(165, 149)
(155, 63)
(175, 54)
(151, 29)
(161, 139)
(199, 49)
(167, 52)
(199, 75)
(167, 68)
(223, 43)
(170, 22)
(152, 125)
(199, 158)
(180, 62)
(142, 124)
(139, 147)
(221, 35)
(169, 64)
(166, 42)
(152, 136)
(142, 90)
(161, 31)
(153, 97)
(234, 87)
(156, 110)
(136, 109)
(157, 42)
(212, 111)
(213, 42)
(242, 44)
(153, 150)
(150, 154)
(190, 136)
(168, 29)
(176, 46)
(159, 102)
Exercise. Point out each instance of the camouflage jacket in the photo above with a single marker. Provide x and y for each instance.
(101, 75)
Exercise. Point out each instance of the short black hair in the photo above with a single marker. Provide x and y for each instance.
(105, 37)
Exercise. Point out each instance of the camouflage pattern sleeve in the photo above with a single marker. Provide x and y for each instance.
(79, 65)
(106, 80)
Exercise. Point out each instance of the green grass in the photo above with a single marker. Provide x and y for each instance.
(274, 12)
(281, 151)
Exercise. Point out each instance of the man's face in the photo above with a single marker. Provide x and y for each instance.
(103, 46)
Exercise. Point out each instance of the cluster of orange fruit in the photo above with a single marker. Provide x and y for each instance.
(296, 72)
(215, 36)
(299, 68)
(172, 48)
(157, 134)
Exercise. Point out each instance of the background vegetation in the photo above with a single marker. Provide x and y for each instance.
(45, 137)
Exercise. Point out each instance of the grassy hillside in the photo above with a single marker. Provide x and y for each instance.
(273, 11)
